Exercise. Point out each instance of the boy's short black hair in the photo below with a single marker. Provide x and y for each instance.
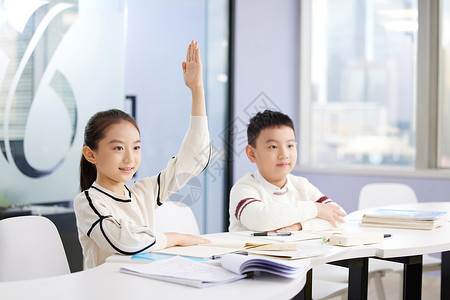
(264, 120)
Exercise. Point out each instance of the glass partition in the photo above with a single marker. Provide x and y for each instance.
(60, 61)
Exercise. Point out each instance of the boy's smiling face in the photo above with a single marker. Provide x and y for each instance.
(275, 153)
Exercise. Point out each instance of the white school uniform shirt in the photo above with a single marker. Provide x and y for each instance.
(257, 205)
(110, 223)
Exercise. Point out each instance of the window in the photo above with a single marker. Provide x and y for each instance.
(363, 64)
(444, 96)
(367, 86)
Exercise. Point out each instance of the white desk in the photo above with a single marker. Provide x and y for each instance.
(406, 242)
(106, 282)
(405, 246)
(408, 246)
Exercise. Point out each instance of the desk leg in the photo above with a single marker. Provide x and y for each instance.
(357, 276)
(445, 275)
(306, 292)
(412, 276)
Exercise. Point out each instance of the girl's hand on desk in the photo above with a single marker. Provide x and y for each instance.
(330, 212)
(180, 239)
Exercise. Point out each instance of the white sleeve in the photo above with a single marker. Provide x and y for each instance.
(114, 234)
(192, 159)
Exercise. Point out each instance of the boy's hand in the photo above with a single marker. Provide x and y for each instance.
(293, 227)
(330, 212)
(192, 67)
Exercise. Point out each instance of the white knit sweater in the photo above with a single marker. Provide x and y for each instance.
(110, 223)
(252, 207)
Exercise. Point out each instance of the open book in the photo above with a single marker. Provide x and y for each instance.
(241, 264)
(184, 271)
(407, 219)
(234, 267)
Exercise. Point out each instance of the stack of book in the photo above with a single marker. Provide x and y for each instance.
(406, 219)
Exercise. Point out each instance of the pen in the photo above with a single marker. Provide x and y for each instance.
(271, 233)
(214, 257)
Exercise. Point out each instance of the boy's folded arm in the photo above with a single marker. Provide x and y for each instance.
(247, 209)
(316, 224)
(259, 216)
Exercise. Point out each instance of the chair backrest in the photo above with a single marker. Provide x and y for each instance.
(381, 194)
(30, 247)
(176, 217)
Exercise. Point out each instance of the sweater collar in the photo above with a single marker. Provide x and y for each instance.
(271, 189)
(122, 198)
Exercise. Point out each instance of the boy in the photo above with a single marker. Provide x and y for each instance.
(272, 199)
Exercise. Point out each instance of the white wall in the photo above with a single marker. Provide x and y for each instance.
(158, 35)
(266, 66)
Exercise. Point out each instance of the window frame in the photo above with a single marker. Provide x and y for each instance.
(427, 100)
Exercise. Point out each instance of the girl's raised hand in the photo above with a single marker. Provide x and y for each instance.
(192, 67)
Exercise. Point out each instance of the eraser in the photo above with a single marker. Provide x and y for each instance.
(356, 238)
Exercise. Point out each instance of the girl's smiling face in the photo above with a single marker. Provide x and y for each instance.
(117, 156)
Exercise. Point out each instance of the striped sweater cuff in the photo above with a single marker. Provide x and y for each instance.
(324, 200)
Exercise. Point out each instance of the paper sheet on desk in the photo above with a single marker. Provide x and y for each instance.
(296, 236)
(183, 271)
(217, 246)
(158, 256)
(302, 253)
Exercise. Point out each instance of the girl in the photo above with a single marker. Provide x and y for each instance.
(113, 218)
